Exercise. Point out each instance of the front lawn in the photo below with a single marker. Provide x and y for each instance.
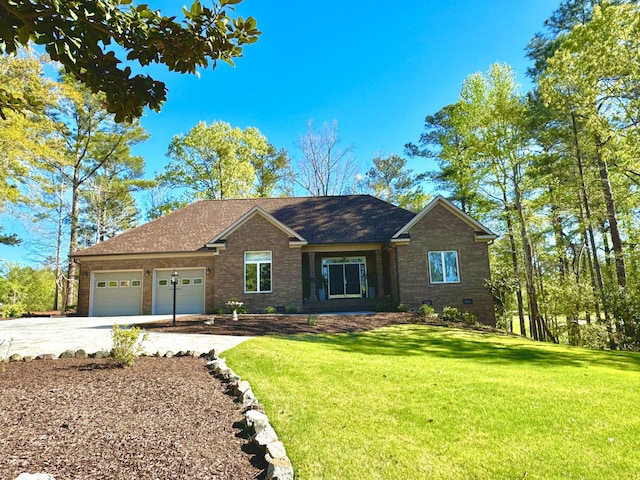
(413, 401)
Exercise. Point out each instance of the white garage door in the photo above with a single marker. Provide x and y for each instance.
(189, 292)
(117, 293)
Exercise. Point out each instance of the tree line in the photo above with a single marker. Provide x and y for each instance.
(556, 171)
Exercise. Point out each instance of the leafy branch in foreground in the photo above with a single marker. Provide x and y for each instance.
(77, 33)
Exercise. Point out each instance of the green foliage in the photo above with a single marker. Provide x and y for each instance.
(426, 311)
(291, 309)
(14, 310)
(217, 161)
(242, 309)
(270, 309)
(390, 180)
(470, 318)
(403, 307)
(25, 289)
(625, 308)
(204, 36)
(127, 344)
(450, 314)
(217, 310)
(594, 335)
(312, 320)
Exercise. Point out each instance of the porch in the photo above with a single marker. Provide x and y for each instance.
(345, 280)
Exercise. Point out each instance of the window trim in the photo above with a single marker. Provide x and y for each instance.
(258, 263)
(444, 270)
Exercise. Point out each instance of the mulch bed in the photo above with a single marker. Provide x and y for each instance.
(164, 418)
(258, 325)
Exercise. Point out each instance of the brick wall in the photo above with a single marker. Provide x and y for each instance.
(441, 230)
(145, 264)
(259, 234)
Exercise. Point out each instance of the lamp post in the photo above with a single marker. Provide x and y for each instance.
(174, 282)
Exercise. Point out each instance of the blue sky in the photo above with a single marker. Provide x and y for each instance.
(376, 68)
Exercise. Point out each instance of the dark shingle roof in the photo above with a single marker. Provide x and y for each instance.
(319, 220)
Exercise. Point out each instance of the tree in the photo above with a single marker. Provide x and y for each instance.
(218, 161)
(92, 142)
(23, 138)
(78, 33)
(443, 141)
(390, 180)
(326, 169)
(594, 75)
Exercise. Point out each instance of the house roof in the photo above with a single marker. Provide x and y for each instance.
(482, 233)
(318, 220)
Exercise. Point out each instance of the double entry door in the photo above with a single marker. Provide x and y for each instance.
(346, 277)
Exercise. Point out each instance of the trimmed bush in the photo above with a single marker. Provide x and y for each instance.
(127, 344)
(403, 307)
(450, 314)
(470, 318)
(291, 309)
(270, 309)
(426, 310)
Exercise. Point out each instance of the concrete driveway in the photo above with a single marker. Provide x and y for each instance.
(35, 336)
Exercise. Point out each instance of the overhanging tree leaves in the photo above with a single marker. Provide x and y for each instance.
(78, 33)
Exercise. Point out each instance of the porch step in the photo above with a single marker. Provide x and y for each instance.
(340, 305)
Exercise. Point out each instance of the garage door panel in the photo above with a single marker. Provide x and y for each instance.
(189, 292)
(117, 293)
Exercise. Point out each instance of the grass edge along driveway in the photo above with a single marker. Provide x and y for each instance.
(414, 401)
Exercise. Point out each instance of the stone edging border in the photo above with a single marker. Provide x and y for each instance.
(263, 435)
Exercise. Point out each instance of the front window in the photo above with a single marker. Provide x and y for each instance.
(443, 267)
(257, 272)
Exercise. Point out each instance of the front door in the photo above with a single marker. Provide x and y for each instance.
(345, 277)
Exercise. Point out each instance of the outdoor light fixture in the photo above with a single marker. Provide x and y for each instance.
(208, 270)
(174, 282)
(146, 273)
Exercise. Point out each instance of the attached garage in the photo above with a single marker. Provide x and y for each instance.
(116, 293)
(189, 291)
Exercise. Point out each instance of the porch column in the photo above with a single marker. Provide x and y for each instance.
(312, 276)
(378, 255)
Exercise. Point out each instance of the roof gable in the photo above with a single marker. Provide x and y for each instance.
(482, 233)
(257, 210)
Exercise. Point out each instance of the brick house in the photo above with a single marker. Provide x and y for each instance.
(313, 253)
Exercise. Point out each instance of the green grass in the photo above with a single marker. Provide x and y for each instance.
(425, 402)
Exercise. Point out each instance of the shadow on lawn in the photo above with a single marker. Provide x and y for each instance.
(414, 340)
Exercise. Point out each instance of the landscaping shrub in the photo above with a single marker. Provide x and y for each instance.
(470, 318)
(426, 311)
(403, 307)
(242, 309)
(127, 344)
(217, 311)
(15, 310)
(291, 309)
(270, 309)
(312, 320)
(450, 314)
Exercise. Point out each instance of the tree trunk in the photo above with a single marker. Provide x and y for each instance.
(70, 293)
(614, 231)
(535, 319)
(516, 267)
